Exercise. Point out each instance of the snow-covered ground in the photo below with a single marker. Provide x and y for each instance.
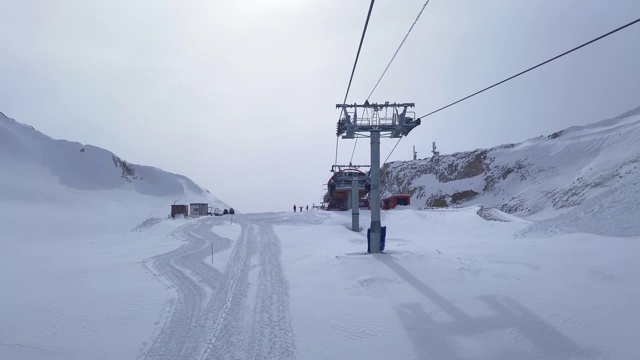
(75, 288)
(91, 267)
(455, 286)
(451, 285)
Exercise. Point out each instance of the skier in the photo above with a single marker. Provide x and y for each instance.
(294, 208)
(307, 207)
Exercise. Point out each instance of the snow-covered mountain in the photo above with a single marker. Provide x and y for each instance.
(582, 177)
(42, 171)
(79, 280)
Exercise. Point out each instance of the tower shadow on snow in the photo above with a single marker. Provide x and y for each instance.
(433, 339)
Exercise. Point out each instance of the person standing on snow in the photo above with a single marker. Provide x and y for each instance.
(294, 208)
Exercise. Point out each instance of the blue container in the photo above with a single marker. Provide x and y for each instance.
(383, 235)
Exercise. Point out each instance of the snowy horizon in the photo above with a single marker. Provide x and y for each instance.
(95, 268)
(213, 88)
(196, 188)
(520, 241)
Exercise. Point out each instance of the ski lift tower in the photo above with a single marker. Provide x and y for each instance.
(355, 183)
(375, 121)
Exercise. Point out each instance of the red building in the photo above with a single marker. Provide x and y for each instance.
(392, 201)
(179, 210)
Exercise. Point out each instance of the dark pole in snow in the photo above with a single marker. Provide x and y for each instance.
(374, 194)
(355, 206)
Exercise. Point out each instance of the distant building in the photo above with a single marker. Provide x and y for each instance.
(392, 201)
(198, 209)
(179, 210)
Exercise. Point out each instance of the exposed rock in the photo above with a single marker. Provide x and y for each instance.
(555, 135)
(128, 172)
(485, 213)
(528, 177)
(461, 196)
(439, 201)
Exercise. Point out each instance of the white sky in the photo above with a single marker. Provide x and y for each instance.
(240, 96)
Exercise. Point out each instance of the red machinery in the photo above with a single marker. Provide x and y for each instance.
(392, 201)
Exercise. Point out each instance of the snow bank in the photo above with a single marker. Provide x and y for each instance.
(579, 176)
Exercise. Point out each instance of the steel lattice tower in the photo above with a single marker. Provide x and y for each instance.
(376, 121)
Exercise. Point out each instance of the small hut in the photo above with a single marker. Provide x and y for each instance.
(179, 210)
(198, 209)
(392, 201)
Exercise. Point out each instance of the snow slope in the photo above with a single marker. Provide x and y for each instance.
(104, 274)
(568, 173)
(44, 168)
(74, 284)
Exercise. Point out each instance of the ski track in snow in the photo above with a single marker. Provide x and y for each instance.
(224, 315)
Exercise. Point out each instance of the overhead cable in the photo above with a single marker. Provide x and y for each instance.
(389, 64)
(353, 151)
(364, 31)
(336, 162)
(394, 147)
(534, 67)
(398, 50)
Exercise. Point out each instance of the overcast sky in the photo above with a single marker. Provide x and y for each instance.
(240, 95)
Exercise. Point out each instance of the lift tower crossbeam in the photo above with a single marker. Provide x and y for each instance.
(340, 167)
(375, 121)
(389, 120)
